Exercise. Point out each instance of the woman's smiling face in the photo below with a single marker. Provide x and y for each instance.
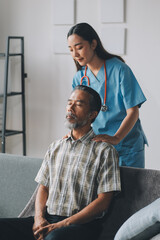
(81, 50)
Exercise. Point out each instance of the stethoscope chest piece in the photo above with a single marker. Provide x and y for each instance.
(104, 108)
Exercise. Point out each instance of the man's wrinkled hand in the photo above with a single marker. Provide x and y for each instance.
(50, 227)
(39, 223)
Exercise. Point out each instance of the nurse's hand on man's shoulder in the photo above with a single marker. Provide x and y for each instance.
(106, 138)
(67, 135)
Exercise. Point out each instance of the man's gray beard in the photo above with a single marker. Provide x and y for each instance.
(75, 125)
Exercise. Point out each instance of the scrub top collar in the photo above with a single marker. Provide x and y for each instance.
(98, 77)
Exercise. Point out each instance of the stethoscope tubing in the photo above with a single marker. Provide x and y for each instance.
(104, 107)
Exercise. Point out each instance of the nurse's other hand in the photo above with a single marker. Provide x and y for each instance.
(67, 136)
(106, 138)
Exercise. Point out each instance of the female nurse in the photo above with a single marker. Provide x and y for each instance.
(118, 121)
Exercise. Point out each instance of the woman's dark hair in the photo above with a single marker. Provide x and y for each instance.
(85, 31)
(95, 100)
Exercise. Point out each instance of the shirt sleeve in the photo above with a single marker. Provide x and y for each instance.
(109, 174)
(130, 89)
(43, 173)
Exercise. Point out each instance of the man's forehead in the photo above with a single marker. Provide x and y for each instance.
(79, 95)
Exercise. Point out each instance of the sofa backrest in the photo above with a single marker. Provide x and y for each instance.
(139, 188)
(17, 183)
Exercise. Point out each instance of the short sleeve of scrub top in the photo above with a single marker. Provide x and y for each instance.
(123, 92)
(131, 92)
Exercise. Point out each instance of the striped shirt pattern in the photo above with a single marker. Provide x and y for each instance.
(76, 172)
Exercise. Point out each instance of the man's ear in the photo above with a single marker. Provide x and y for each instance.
(93, 115)
(94, 44)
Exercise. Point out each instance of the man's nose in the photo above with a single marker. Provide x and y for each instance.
(70, 107)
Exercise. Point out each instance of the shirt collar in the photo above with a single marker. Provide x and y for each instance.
(85, 139)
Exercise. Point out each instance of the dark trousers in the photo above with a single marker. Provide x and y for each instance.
(21, 229)
(16, 228)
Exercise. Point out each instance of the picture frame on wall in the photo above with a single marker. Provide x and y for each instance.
(112, 11)
(113, 39)
(63, 12)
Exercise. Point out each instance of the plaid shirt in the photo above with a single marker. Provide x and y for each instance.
(76, 172)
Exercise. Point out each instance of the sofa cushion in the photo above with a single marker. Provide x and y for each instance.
(144, 224)
(140, 187)
(157, 237)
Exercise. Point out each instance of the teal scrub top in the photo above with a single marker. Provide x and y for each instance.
(123, 92)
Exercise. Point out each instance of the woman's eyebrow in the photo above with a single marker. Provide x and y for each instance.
(76, 44)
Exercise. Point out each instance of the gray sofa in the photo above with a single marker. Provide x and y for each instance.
(139, 188)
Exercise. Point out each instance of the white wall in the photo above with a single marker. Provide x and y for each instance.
(50, 76)
(143, 51)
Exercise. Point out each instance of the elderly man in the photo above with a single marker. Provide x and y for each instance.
(78, 178)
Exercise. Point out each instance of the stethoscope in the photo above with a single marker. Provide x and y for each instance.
(104, 108)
